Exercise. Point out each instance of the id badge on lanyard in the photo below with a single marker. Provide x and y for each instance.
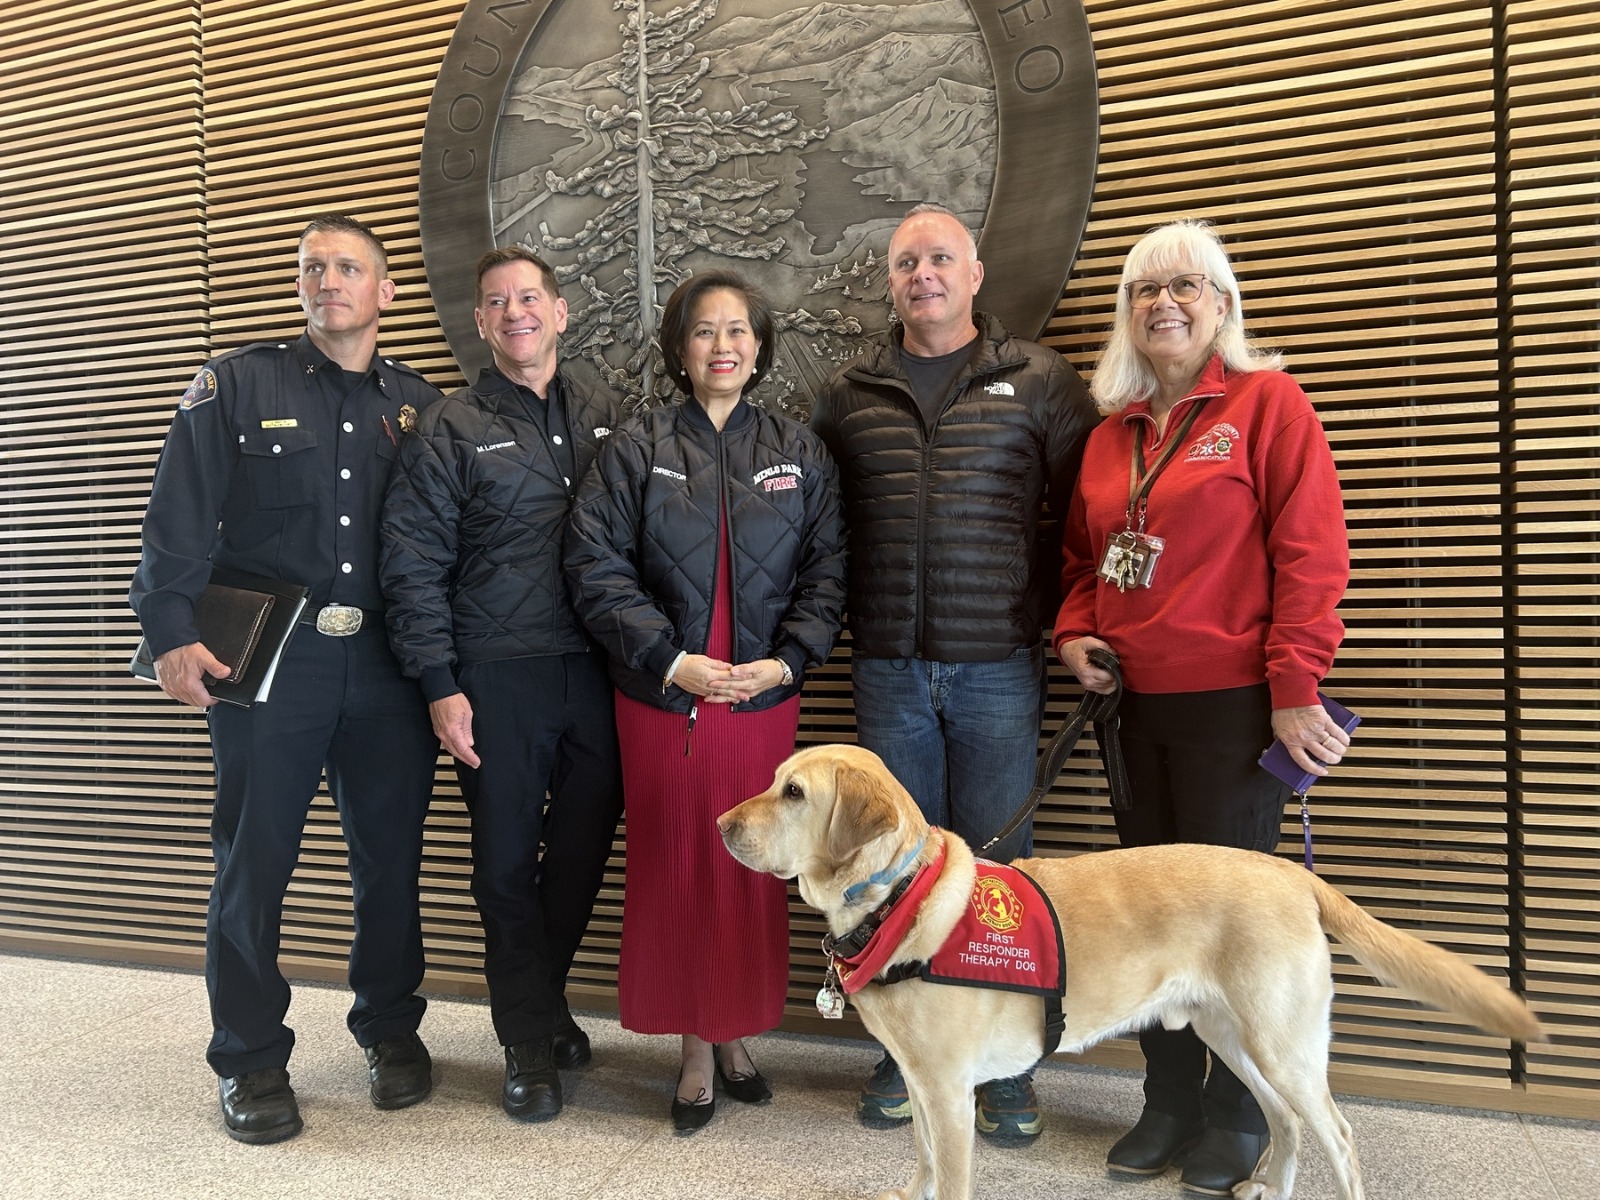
(1131, 556)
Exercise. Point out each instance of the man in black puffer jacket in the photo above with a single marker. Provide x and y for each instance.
(479, 613)
(951, 438)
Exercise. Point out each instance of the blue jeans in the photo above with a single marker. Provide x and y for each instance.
(962, 738)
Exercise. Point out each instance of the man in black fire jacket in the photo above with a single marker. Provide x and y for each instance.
(519, 695)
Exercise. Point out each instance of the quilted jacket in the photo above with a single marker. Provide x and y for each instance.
(642, 546)
(951, 558)
(470, 556)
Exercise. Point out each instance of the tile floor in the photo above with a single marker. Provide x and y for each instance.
(104, 1093)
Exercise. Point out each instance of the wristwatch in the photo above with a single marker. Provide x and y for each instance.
(788, 675)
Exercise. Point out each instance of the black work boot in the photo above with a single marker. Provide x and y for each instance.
(401, 1071)
(259, 1107)
(533, 1089)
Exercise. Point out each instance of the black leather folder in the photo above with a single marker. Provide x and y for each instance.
(246, 621)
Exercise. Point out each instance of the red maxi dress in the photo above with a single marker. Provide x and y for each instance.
(705, 940)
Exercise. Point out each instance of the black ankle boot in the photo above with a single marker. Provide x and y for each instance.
(1223, 1158)
(1151, 1145)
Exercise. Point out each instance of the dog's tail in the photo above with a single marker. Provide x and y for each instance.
(1425, 971)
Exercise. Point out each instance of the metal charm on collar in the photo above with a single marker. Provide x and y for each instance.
(830, 996)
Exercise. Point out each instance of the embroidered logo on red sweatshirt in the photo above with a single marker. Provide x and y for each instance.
(1215, 445)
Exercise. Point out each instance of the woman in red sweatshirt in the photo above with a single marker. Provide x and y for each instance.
(1206, 546)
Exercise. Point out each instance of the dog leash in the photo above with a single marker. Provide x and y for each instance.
(1101, 708)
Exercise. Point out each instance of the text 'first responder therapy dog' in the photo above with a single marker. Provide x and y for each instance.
(1231, 941)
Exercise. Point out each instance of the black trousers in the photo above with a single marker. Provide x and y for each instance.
(1193, 776)
(342, 706)
(542, 727)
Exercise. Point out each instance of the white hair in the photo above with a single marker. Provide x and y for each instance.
(1124, 375)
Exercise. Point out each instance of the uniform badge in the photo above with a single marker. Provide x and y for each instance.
(408, 419)
(202, 389)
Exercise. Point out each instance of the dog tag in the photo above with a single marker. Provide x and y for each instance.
(830, 996)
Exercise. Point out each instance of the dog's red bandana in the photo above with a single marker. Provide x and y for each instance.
(860, 969)
(1008, 936)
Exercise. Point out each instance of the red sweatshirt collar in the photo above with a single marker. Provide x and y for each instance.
(1213, 382)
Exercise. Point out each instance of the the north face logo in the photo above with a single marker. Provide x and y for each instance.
(1000, 389)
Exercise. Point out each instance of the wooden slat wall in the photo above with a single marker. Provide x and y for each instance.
(1409, 190)
(1552, 322)
(102, 253)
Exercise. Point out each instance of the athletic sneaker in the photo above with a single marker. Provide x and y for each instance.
(884, 1103)
(1008, 1110)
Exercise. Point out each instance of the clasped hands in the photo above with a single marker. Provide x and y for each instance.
(718, 682)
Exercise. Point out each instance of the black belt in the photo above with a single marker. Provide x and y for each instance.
(1101, 708)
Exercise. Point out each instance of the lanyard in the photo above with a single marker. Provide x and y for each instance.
(1139, 481)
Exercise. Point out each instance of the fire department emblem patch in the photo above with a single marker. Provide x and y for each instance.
(995, 904)
(202, 389)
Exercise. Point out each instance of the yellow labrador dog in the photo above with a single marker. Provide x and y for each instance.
(1230, 941)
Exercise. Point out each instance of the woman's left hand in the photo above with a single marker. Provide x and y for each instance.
(1312, 737)
(747, 681)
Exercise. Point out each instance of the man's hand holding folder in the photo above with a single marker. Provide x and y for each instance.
(182, 674)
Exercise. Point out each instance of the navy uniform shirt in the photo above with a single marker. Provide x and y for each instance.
(276, 463)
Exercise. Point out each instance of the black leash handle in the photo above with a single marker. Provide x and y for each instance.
(1101, 708)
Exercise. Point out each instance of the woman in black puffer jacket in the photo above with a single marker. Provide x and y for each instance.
(706, 553)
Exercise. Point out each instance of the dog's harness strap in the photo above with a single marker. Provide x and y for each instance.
(1102, 710)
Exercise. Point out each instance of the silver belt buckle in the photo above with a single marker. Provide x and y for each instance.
(339, 620)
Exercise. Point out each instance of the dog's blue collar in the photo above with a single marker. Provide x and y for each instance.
(888, 875)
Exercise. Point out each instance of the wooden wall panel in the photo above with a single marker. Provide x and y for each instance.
(102, 250)
(1409, 191)
(1552, 265)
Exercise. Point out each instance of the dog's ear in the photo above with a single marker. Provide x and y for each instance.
(863, 808)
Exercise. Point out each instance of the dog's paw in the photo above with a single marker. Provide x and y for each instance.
(893, 1194)
(1254, 1189)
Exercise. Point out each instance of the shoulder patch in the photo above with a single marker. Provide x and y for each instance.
(202, 389)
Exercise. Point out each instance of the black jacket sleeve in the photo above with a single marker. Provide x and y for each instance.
(192, 480)
(601, 558)
(808, 631)
(417, 547)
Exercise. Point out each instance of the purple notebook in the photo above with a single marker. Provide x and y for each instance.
(1276, 759)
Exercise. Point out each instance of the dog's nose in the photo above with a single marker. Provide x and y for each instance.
(725, 823)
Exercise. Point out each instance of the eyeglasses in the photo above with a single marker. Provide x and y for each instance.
(1184, 289)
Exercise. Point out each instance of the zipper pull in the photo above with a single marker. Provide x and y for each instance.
(694, 711)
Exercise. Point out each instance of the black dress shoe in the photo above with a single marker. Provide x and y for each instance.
(689, 1115)
(1223, 1158)
(401, 1071)
(1151, 1145)
(258, 1107)
(747, 1087)
(569, 1047)
(533, 1089)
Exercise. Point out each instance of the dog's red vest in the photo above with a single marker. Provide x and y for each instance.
(1008, 936)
